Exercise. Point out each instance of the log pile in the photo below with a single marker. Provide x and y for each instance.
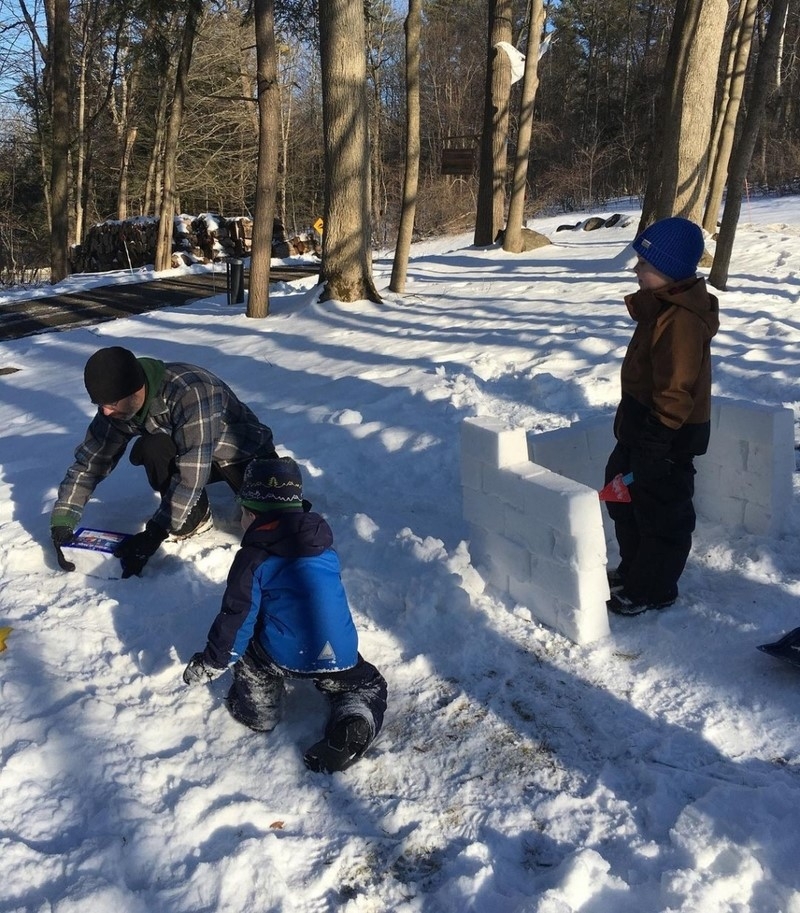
(208, 237)
(211, 235)
(116, 245)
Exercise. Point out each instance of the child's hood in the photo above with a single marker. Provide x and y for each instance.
(289, 534)
(691, 295)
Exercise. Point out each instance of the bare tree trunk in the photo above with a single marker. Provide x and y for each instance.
(268, 146)
(41, 91)
(490, 216)
(100, 37)
(697, 112)
(287, 99)
(128, 141)
(346, 254)
(80, 130)
(765, 79)
(59, 167)
(724, 130)
(168, 207)
(376, 139)
(512, 240)
(413, 27)
(155, 166)
(127, 130)
(676, 172)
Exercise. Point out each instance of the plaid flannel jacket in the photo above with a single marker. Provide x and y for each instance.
(203, 416)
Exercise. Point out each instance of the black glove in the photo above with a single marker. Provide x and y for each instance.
(135, 551)
(198, 672)
(61, 536)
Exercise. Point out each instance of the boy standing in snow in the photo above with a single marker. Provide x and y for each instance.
(285, 615)
(663, 418)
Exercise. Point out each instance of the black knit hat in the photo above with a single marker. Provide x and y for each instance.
(112, 374)
(270, 484)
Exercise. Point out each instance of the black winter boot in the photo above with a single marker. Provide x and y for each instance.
(198, 521)
(343, 746)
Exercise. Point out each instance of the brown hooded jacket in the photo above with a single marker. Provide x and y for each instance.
(666, 373)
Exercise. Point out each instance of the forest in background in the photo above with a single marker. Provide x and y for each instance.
(595, 112)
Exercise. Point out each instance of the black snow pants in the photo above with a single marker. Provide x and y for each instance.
(653, 530)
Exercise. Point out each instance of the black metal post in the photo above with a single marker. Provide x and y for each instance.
(235, 276)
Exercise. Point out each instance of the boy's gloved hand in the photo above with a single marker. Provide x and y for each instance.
(135, 551)
(61, 536)
(198, 672)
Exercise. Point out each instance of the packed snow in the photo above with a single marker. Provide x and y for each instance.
(654, 770)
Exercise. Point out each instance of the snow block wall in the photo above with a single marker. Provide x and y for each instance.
(534, 533)
(537, 528)
(744, 481)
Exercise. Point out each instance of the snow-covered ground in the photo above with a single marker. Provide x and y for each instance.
(655, 770)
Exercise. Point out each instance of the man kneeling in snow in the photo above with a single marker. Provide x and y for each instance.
(189, 430)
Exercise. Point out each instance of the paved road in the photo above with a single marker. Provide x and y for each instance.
(59, 312)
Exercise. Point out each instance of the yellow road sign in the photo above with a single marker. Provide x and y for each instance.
(319, 225)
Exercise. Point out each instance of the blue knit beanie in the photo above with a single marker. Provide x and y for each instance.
(673, 246)
(270, 484)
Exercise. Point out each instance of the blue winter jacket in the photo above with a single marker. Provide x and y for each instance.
(285, 589)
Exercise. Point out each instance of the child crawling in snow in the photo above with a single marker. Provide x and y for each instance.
(285, 615)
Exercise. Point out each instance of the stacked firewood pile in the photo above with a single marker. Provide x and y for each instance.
(130, 243)
(116, 245)
(216, 238)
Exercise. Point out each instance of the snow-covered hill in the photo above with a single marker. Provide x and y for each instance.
(656, 770)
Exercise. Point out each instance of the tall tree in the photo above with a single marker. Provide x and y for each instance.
(764, 82)
(346, 253)
(164, 66)
(413, 28)
(125, 120)
(98, 37)
(492, 175)
(382, 31)
(728, 109)
(168, 208)
(268, 148)
(512, 240)
(287, 61)
(59, 57)
(676, 172)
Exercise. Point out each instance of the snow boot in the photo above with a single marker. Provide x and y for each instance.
(342, 746)
(623, 604)
(787, 648)
(615, 580)
(198, 521)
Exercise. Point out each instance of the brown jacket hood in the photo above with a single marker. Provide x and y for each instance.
(692, 295)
